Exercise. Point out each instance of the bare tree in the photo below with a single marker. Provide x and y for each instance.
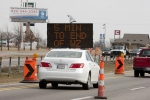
(96, 44)
(17, 31)
(1, 36)
(38, 38)
(7, 32)
(30, 37)
(43, 42)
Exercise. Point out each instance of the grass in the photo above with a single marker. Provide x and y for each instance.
(12, 77)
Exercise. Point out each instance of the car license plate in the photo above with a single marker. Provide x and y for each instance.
(61, 66)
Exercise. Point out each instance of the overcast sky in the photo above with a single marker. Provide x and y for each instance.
(128, 16)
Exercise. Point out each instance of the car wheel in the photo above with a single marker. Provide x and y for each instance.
(142, 74)
(54, 85)
(87, 85)
(136, 73)
(42, 85)
(95, 85)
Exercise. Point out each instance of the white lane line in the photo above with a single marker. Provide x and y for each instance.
(137, 88)
(82, 98)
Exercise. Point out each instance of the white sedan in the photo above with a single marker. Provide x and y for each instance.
(68, 66)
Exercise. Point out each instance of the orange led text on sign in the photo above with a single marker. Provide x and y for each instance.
(75, 34)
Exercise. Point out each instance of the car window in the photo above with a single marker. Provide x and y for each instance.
(145, 53)
(88, 57)
(66, 54)
(106, 49)
(91, 57)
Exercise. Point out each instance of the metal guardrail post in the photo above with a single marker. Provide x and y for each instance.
(19, 64)
(41, 57)
(0, 64)
(9, 65)
(106, 58)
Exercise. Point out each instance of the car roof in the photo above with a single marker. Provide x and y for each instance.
(68, 50)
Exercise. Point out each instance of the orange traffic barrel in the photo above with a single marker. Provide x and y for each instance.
(119, 65)
(101, 81)
(30, 71)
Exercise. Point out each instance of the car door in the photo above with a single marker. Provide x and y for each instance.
(92, 67)
(96, 68)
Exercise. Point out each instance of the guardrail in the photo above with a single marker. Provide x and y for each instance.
(8, 68)
(19, 67)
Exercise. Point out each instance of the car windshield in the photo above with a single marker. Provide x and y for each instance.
(106, 49)
(65, 54)
(135, 50)
(117, 47)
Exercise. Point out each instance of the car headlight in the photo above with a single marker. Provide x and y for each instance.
(109, 52)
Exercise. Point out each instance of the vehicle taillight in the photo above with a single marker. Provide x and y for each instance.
(77, 65)
(45, 64)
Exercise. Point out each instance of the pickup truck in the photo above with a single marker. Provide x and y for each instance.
(141, 63)
(117, 50)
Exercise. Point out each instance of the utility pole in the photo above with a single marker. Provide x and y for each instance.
(28, 23)
(20, 38)
(105, 36)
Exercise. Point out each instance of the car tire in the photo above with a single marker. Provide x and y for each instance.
(87, 85)
(111, 56)
(95, 85)
(136, 73)
(142, 74)
(54, 85)
(42, 85)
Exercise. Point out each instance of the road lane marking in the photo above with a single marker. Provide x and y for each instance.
(17, 87)
(113, 77)
(82, 98)
(137, 88)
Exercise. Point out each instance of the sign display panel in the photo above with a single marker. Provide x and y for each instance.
(70, 35)
(28, 14)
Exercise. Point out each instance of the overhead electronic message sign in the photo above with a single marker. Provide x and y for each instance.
(70, 35)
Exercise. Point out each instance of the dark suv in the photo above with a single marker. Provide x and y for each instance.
(106, 52)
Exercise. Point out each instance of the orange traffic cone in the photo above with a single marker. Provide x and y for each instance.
(101, 81)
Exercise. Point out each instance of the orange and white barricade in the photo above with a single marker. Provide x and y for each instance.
(101, 81)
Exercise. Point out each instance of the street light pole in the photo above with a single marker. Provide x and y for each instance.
(71, 20)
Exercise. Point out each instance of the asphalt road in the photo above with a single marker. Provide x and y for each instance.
(117, 87)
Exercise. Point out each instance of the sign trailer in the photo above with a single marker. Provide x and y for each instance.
(70, 35)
